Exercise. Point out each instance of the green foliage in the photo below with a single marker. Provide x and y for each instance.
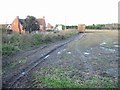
(72, 27)
(99, 82)
(57, 78)
(62, 83)
(15, 39)
(8, 49)
(31, 24)
(97, 26)
(69, 27)
(36, 39)
(19, 61)
(63, 27)
(12, 43)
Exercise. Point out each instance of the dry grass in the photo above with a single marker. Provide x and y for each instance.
(95, 37)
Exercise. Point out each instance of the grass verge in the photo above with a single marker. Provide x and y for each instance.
(12, 43)
(57, 78)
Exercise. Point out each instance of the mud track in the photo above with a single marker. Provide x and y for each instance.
(41, 54)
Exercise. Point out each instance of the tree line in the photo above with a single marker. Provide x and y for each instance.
(97, 26)
(69, 27)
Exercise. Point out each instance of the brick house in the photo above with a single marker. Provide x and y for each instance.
(42, 23)
(17, 25)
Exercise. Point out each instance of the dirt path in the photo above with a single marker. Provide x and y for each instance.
(94, 55)
(18, 65)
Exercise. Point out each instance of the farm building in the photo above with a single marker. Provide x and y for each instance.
(81, 28)
(17, 24)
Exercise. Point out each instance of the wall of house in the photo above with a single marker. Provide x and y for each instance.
(21, 29)
(16, 26)
(41, 28)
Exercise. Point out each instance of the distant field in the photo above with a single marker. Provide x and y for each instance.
(98, 36)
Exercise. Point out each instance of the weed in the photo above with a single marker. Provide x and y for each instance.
(8, 49)
(56, 78)
(99, 82)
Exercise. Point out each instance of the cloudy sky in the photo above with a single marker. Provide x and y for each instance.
(69, 12)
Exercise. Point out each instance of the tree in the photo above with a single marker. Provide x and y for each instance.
(31, 24)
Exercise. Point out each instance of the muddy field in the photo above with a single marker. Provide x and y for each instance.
(89, 60)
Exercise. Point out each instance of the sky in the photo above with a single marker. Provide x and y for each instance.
(67, 12)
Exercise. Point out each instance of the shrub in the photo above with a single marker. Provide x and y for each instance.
(36, 39)
(8, 49)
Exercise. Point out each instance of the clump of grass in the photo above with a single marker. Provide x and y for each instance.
(60, 83)
(57, 78)
(36, 39)
(8, 49)
(99, 82)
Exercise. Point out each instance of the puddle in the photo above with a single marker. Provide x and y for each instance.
(86, 53)
(47, 56)
(59, 53)
(64, 49)
(115, 42)
(108, 49)
(69, 52)
(91, 48)
(23, 73)
(116, 46)
(19, 61)
(111, 50)
(103, 43)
